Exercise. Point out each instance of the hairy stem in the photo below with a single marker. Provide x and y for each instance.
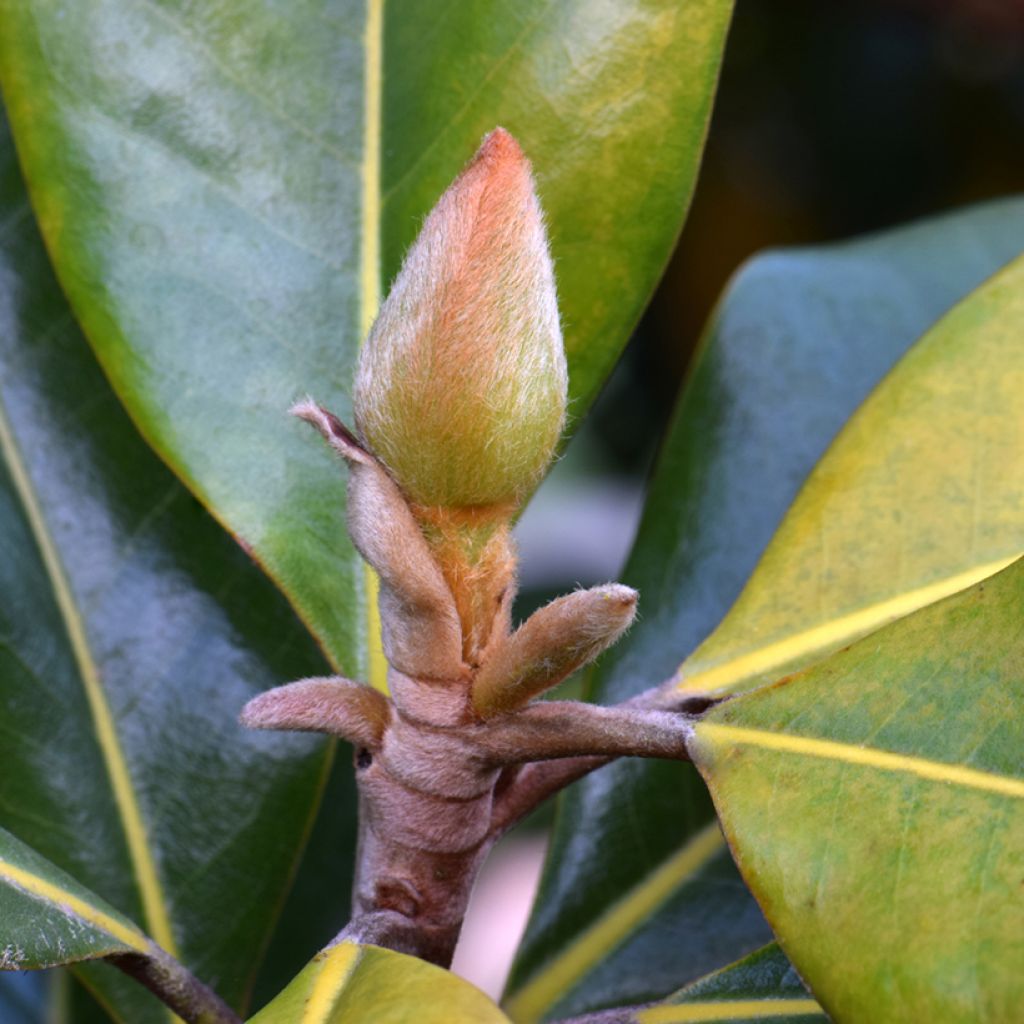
(176, 986)
(523, 788)
(559, 729)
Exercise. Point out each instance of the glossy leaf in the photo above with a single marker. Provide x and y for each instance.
(798, 341)
(224, 188)
(350, 984)
(50, 920)
(701, 912)
(919, 497)
(874, 804)
(762, 986)
(131, 633)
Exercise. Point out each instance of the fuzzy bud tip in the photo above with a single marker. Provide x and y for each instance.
(461, 385)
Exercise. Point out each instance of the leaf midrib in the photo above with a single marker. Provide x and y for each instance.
(827, 636)
(618, 921)
(867, 756)
(730, 1010)
(330, 982)
(370, 275)
(37, 887)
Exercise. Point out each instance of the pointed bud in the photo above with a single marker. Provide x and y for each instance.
(461, 387)
(553, 642)
(329, 704)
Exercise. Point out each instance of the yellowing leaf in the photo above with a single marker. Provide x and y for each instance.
(875, 805)
(351, 984)
(919, 496)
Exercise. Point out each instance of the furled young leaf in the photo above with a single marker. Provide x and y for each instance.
(874, 804)
(49, 919)
(762, 986)
(131, 633)
(226, 187)
(798, 341)
(350, 984)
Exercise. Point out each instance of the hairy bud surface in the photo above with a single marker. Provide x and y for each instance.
(461, 386)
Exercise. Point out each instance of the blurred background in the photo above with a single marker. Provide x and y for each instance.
(833, 118)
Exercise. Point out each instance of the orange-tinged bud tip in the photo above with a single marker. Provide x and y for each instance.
(461, 387)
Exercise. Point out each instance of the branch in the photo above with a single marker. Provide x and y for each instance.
(523, 788)
(176, 986)
(668, 697)
(393, 930)
(331, 705)
(558, 729)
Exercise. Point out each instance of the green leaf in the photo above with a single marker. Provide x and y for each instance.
(350, 984)
(224, 189)
(132, 630)
(799, 339)
(762, 986)
(891, 863)
(50, 920)
(701, 911)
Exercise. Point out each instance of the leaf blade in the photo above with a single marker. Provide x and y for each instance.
(762, 986)
(74, 925)
(575, 960)
(131, 632)
(150, 888)
(946, 412)
(353, 984)
(916, 730)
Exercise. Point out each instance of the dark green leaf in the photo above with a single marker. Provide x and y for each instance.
(762, 986)
(799, 340)
(50, 920)
(224, 187)
(131, 633)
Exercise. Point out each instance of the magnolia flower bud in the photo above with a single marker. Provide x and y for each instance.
(461, 386)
